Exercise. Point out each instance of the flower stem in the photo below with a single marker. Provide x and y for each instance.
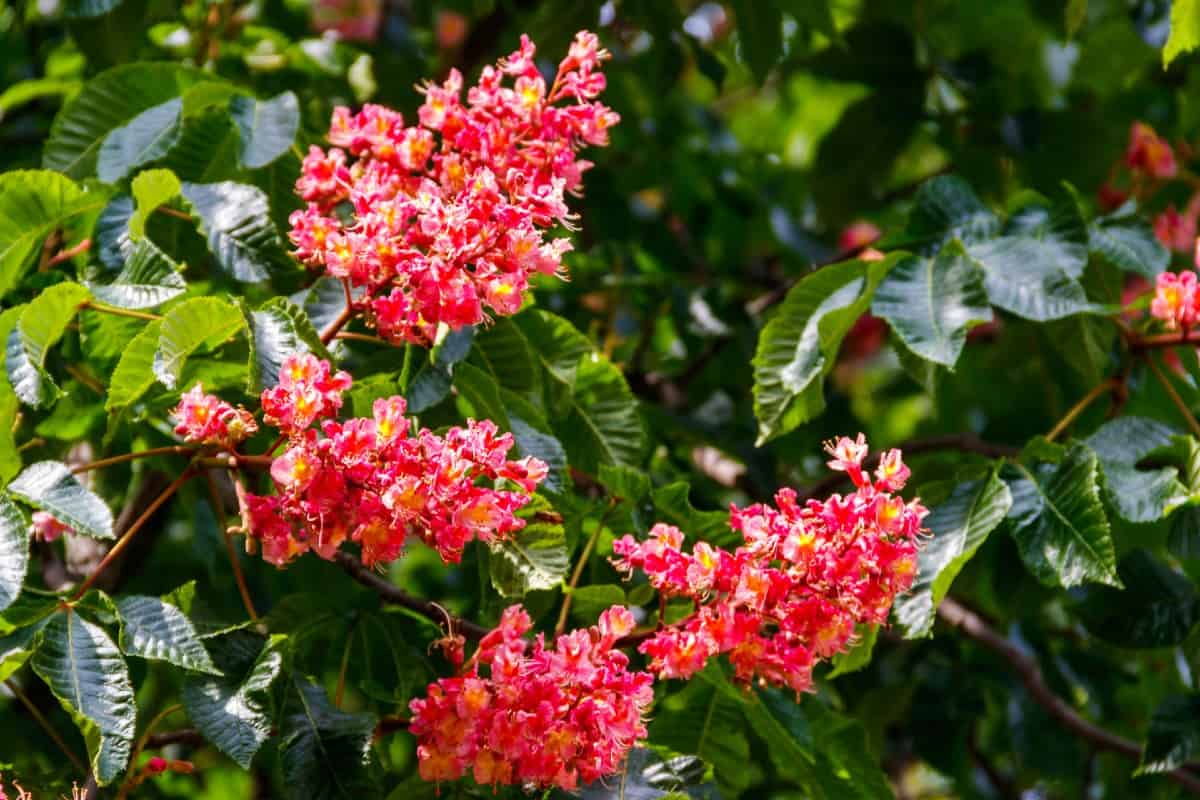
(407, 367)
(1077, 409)
(173, 450)
(120, 312)
(584, 555)
(235, 564)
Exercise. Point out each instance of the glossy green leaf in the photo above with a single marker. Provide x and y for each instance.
(50, 486)
(235, 218)
(931, 303)
(40, 327)
(1138, 495)
(532, 558)
(1185, 29)
(324, 751)
(150, 189)
(143, 140)
(672, 504)
(1059, 522)
(555, 343)
(858, 656)
(188, 326)
(797, 348)
(134, 374)
(267, 127)
(647, 775)
(959, 526)
(1129, 244)
(1157, 608)
(1183, 540)
(107, 102)
(148, 279)
(233, 711)
(946, 208)
(33, 204)
(14, 551)
(705, 719)
(159, 631)
(85, 671)
(534, 437)
(1174, 735)
(278, 329)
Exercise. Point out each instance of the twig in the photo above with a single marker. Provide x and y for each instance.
(236, 565)
(584, 555)
(1077, 409)
(362, 337)
(87, 380)
(188, 736)
(131, 775)
(390, 593)
(173, 450)
(69, 253)
(119, 312)
(1161, 340)
(46, 726)
(975, 628)
(128, 537)
(337, 324)
(1174, 395)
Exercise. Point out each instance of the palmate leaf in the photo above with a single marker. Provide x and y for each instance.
(144, 139)
(932, 302)
(200, 321)
(959, 526)
(797, 348)
(86, 672)
(1059, 523)
(14, 551)
(533, 558)
(50, 486)
(279, 328)
(235, 218)
(34, 203)
(40, 327)
(233, 711)
(1174, 735)
(159, 631)
(324, 751)
(267, 127)
(1137, 495)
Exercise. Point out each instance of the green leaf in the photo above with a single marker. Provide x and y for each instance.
(1074, 16)
(534, 437)
(931, 303)
(705, 719)
(236, 220)
(150, 189)
(647, 775)
(144, 139)
(1033, 270)
(1157, 608)
(483, 394)
(86, 672)
(946, 208)
(798, 347)
(555, 342)
(50, 486)
(324, 751)
(267, 127)
(149, 278)
(233, 711)
(959, 526)
(188, 326)
(1059, 522)
(858, 656)
(1129, 244)
(134, 374)
(1185, 29)
(588, 602)
(107, 102)
(603, 424)
(278, 329)
(14, 551)
(532, 558)
(1183, 540)
(503, 351)
(41, 325)
(1174, 735)
(156, 630)
(33, 204)
(1137, 495)
(674, 506)
(760, 35)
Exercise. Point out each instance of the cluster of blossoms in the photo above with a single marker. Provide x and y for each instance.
(1176, 300)
(546, 716)
(205, 419)
(373, 481)
(793, 593)
(449, 215)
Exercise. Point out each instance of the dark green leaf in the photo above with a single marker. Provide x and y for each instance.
(533, 558)
(267, 127)
(673, 506)
(148, 279)
(41, 325)
(144, 139)
(959, 526)
(760, 35)
(86, 672)
(324, 751)
(278, 329)
(1174, 735)
(188, 326)
(705, 719)
(14, 551)
(1137, 495)
(588, 602)
(1130, 245)
(50, 486)
(1059, 522)
(1183, 541)
(1158, 607)
(946, 208)
(931, 303)
(236, 220)
(156, 630)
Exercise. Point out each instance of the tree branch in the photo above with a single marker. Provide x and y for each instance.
(392, 594)
(975, 628)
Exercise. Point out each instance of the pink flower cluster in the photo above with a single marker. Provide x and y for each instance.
(374, 482)
(543, 716)
(449, 214)
(207, 419)
(1176, 300)
(793, 593)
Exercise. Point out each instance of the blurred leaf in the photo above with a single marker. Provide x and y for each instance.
(1059, 522)
(1185, 29)
(14, 551)
(931, 303)
(267, 127)
(1174, 735)
(86, 672)
(50, 486)
(1075, 15)
(188, 326)
(40, 327)
(156, 630)
(1130, 245)
(144, 139)
(324, 751)
(1157, 608)
(760, 35)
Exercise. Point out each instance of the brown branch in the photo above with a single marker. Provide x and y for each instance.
(1073, 413)
(961, 442)
(1137, 343)
(393, 595)
(185, 736)
(175, 450)
(120, 312)
(974, 627)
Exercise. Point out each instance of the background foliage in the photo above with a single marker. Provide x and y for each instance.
(696, 357)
